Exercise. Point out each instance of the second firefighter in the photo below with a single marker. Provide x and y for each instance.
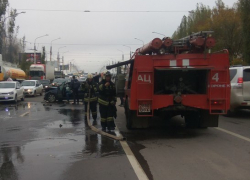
(90, 90)
(107, 101)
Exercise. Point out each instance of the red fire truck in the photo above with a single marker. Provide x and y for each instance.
(177, 77)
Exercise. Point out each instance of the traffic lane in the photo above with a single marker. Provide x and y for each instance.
(52, 141)
(238, 123)
(176, 152)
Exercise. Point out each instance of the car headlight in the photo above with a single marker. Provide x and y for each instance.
(11, 93)
(30, 90)
(46, 86)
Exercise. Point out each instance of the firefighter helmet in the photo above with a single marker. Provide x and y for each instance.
(90, 76)
(108, 74)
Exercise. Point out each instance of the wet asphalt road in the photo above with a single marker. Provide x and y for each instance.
(39, 141)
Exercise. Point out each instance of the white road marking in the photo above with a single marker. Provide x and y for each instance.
(233, 134)
(133, 161)
(131, 157)
(24, 114)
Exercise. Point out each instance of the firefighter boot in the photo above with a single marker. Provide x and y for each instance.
(94, 122)
(103, 124)
(110, 125)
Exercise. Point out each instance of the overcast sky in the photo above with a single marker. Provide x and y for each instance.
(94, 38)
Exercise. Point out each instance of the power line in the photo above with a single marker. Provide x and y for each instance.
(88, 44)
(88, 11)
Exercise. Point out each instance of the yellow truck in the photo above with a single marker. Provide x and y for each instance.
(10, 72)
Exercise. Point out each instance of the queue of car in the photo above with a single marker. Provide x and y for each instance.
(15, 91)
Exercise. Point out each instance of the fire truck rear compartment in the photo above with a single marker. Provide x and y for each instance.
(181, 81)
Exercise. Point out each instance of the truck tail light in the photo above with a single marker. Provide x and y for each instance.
(216, 102)
(240, 80)
(244, 103)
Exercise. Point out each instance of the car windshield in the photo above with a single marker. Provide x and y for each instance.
(28, 83)
(59, 80)
(44, 82)
(7, 85)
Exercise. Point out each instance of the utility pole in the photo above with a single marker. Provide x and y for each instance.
(58, 61)
(62, 63)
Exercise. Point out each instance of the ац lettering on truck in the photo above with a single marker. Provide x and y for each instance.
(167, 78)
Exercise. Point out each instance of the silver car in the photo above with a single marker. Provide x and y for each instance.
(240, 87)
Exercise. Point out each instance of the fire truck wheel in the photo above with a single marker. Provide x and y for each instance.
(133, 121)
(192, 120)
(128, 116)
(208, 120)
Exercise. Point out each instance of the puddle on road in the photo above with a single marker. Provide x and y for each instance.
(57, 154)
(8, 158)
(56, 147)
(8, 112)
(72, 118)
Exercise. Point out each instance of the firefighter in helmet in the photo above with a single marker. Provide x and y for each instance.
(107, 101)
(90, 89)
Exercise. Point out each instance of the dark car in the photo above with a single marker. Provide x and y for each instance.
(45, 83)
(58, 93)
(58, 81)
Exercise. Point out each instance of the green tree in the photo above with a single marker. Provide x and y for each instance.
(24, 64)
(244, 7)
(3, 5)
(224, 21)
(227, 29)
(13, 46)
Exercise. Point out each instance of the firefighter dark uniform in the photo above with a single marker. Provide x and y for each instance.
(107, 100)
(90, 90)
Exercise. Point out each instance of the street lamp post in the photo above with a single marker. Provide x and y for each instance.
(63, 59)
(14, 15)
(122, 54)
(159, 34)
(129, 50)
(140, 40)
(58, 58)
(113, 60)
(51, 47)
(35, 47)
(70, 65)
